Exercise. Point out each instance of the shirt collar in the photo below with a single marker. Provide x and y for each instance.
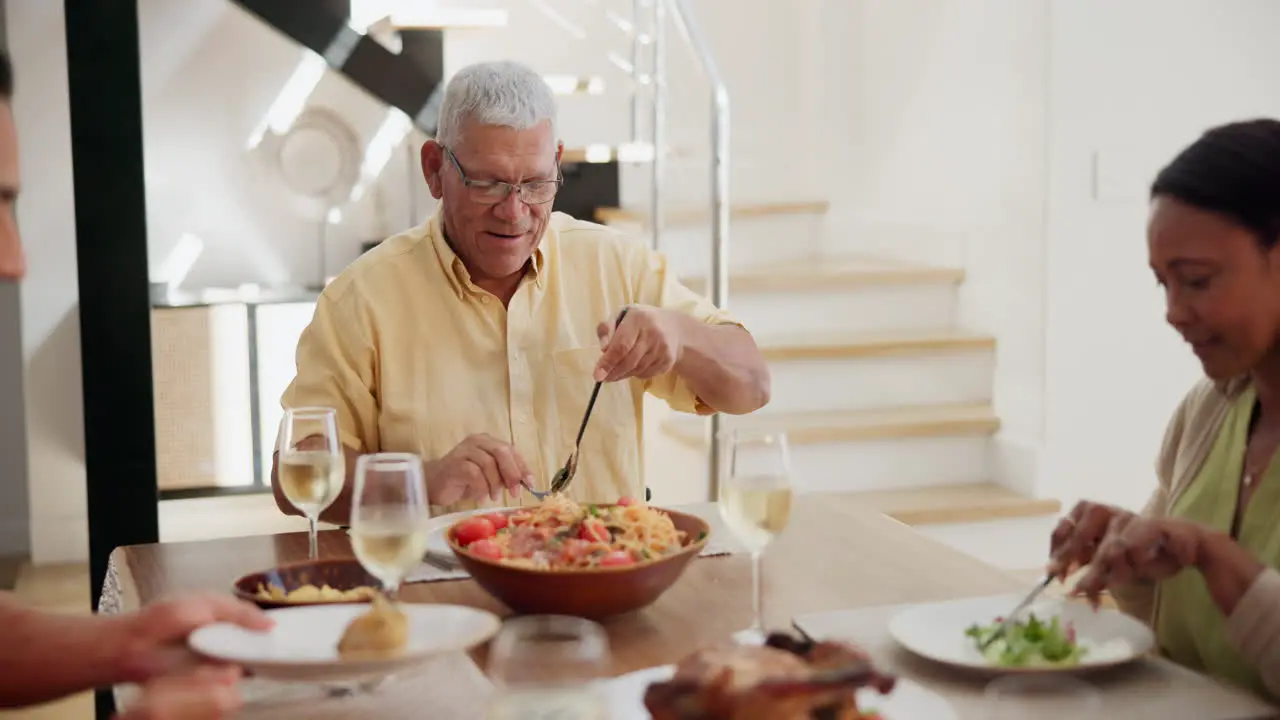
(456, 271)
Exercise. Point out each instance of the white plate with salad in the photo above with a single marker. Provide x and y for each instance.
(1052, 635)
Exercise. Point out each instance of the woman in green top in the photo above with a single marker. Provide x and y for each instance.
(1198, 563)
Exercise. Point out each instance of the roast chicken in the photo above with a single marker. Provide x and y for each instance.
(785, 679)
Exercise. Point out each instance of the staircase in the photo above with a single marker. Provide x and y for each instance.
(885, 399)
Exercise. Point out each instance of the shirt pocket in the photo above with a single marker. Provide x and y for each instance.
(610, 446)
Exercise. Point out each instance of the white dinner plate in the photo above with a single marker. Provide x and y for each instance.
(936, 631)
(908, 701)
(303, 645)
(436, 540)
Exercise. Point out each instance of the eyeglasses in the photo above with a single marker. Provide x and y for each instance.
(491, 192)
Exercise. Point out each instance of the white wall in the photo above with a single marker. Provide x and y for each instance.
(1017, 138)
(1132, 82)
(936, 140)
(50, 315)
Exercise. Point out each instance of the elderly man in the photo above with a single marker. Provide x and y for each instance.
(475, 339)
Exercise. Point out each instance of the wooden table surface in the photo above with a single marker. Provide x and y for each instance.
(834, 555)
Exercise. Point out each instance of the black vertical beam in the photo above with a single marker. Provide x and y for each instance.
(105, 91)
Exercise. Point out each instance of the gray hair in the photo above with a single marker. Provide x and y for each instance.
(501, 93)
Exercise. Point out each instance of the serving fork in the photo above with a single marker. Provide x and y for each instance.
(565, 474)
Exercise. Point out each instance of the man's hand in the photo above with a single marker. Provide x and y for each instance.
(157, 634)
(479, 467)
(1140, 549)
(647, 343)
(207, 693)
(1077, 536)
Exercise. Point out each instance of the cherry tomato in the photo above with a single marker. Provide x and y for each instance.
(617, 558)
(593, 530)
(499, 520)
(486, 549)
(626, 500)
(473, 529)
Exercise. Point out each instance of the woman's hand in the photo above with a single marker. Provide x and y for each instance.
(1076, 538)
(1141, 549)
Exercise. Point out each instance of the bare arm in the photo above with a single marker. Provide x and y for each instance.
(44, 656)
(722, 365)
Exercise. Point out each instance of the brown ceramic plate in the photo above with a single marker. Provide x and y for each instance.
(341, 574)
(592, 593)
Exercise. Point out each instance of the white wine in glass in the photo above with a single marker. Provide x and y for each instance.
(755, 500)
(389, 516)
(310, 465)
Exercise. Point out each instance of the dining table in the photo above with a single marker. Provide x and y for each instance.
(841, 566)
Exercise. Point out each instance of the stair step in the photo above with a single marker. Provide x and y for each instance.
(970, 502)
(1011, 543)
(840, 294)
(702, 214)
(825, 273)
(820, 370)
(824, 346)
(859, 425)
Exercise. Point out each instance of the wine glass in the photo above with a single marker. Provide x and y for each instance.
(1056, 695)
(311, 467)
(549, 666)
(755, 500)
(389, 514)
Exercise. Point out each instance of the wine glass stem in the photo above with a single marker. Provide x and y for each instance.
(757, 593)
(311, 537)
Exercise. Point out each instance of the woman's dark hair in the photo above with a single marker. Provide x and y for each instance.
(6, 76)
(1232, 170)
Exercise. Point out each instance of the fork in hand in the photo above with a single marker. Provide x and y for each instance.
(566, 473)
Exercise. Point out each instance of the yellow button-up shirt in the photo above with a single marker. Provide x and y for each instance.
(415, 357)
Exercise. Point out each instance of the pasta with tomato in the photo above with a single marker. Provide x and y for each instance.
(561, 534)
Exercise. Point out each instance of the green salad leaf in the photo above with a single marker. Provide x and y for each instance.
(1028, 643)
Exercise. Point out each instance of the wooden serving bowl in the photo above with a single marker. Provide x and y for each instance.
(338, 573)
(592, 593)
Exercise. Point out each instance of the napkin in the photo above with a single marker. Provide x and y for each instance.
(429, 573)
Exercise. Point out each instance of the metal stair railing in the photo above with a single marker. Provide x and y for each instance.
(686, 21)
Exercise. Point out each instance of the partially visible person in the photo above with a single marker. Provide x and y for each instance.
(1199, 562)
(475, 339)
(46, 656)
